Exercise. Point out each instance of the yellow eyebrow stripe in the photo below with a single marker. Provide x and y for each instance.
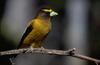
(47, 10)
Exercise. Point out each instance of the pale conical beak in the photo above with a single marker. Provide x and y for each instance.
(53, 13)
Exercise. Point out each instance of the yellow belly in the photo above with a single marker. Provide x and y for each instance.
(37, 35)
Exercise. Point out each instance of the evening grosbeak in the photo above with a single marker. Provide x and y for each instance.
(37, 29)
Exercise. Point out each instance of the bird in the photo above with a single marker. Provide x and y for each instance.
(37, 29)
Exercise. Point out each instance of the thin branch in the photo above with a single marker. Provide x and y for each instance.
(37, 50)
(86, 58)
(69, 52)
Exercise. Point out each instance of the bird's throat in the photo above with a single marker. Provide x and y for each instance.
(45, 19)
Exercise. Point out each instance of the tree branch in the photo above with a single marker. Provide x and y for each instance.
(86, 58)
(70, 52)
(37, 50)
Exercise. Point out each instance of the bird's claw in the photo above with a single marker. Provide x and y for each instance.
(42, 48)
(29, 50)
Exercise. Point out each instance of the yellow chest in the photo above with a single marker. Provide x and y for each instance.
(38, 33)
(42, 27)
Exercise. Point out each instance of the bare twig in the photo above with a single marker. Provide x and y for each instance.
(69, 52)
(86, 58)
(37, 50)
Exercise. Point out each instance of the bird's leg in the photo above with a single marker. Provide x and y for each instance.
(29, 50)
(42, 48)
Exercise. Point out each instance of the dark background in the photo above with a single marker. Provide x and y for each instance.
(60, 5)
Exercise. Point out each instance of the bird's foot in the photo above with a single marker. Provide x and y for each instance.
(42, 48)
(29, 50)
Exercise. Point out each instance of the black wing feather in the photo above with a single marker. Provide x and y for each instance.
(28, 30)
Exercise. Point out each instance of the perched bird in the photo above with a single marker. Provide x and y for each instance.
(38, 29)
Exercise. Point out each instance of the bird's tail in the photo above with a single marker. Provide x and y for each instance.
(12, 60)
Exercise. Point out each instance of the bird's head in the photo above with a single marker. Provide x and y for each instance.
(46, 13)
(49, 11)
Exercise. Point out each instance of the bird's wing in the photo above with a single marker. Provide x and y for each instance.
(27, 31)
